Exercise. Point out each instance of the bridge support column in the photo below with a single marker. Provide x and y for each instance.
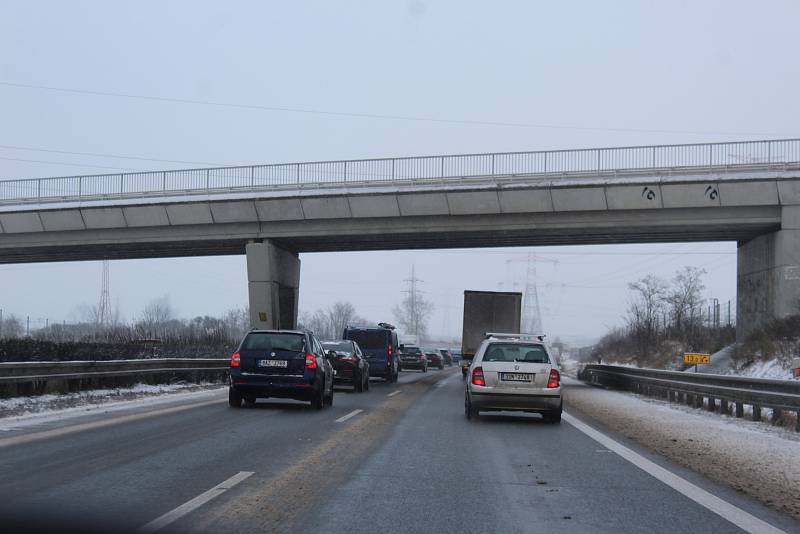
(273, 276)
(768, 278)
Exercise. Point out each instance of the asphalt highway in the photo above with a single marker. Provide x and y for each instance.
(400, 458)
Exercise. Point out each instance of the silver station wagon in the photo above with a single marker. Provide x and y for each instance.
(514, 372)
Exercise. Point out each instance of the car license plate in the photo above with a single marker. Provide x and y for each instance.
(273, 363)
(516, 377)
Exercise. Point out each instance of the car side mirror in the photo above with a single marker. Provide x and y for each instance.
(331, 355)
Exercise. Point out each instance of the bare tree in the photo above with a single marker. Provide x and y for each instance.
(12, 326)
(685, 300)
(413, 314)
(644, 312)
(330, 323)
(155, 316)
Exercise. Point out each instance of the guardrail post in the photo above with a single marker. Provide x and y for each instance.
(797, 421)
(739, 409)
(776, 415)
(723, 407)
(712, 404)
(756, 412)
(698, 401)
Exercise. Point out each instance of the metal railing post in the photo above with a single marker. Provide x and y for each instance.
(163, 180)
(493, 164)
(345, 171)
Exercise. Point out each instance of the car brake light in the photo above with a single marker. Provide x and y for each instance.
(236, 360)
(311, 361)
(477, 377)
(390, 351)
(555, 379)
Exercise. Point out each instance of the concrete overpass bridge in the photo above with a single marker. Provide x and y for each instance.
(743, 191)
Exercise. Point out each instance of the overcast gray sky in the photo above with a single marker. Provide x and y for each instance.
(570, 74)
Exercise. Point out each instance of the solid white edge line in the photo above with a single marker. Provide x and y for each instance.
(393, 393)
(344, 418)
(724, 509)
(197, 502)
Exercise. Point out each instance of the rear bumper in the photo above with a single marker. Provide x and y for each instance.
(412, 365)
(515, 401)
(284, 387)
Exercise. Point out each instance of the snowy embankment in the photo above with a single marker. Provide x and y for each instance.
(18, 406)
(753, 458)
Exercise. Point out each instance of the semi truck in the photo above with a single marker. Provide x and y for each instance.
(487, 311)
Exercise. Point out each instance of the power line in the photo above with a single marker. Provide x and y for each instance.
(112, 156)
(311, 111)
(84, 165)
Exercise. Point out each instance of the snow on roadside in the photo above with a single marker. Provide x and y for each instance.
(765, 369)
(21, 406)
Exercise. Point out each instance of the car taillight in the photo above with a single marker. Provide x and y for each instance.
(390, 351)
(555, 379)
(311, 361)
(236, 360)
(477, 377)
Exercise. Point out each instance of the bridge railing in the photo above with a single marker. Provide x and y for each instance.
(549, 163)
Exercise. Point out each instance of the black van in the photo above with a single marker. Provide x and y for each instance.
(379, 345)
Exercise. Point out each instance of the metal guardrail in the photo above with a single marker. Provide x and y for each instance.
(27, 372)
(703, 390)
(550, 163)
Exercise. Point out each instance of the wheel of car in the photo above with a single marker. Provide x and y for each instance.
(328, 400)
(469, 411)
(358, 383)
(234, 398)
(318, 400)
(553, 416)
(424, 368)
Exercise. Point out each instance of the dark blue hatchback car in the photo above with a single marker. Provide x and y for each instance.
(379, 345)
(289, 364)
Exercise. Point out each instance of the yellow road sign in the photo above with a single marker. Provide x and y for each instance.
(695, 358)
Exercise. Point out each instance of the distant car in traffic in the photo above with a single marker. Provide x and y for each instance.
(448, 358)
(288, 364)
(379, 344)
(435, 359)
(413, 358)
(349, 364)
(514, 372)
(456, 355)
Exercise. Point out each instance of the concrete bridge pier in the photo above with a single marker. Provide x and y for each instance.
(768, 277)
(273, 276)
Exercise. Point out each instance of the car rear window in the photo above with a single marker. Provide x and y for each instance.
(339, 346)
(267, 341)
(369, 339)
(514, 352)
(411, 351)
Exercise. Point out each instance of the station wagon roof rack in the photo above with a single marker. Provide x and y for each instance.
(520, 336)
